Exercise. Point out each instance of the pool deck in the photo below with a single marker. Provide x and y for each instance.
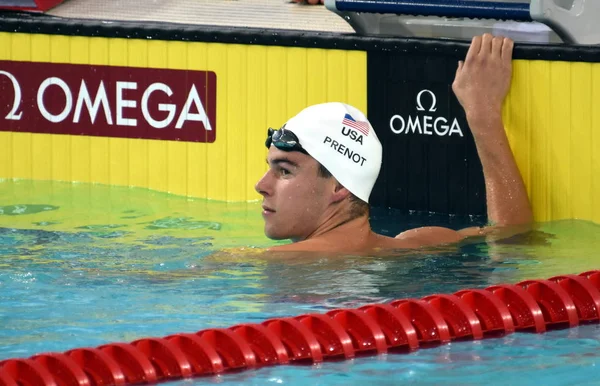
(289, 16)
(267, 14)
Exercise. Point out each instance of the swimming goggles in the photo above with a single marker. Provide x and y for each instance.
(283, 140)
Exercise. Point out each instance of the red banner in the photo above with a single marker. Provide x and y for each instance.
(108, 101)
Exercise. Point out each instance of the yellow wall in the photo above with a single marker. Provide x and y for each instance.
(551, 117)
(553, 123)
(257, 87)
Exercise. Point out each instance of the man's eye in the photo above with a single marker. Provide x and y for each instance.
(284, 172)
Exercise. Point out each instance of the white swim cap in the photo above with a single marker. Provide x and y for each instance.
(341, 138)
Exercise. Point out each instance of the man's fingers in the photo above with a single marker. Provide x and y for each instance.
(456, 82)
(497, 43)
(486, 44)
(474, 48)
(459, 68)
(507, 48)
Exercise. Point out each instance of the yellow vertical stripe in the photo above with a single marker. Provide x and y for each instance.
(356, 63)
(539, 76)
(197, 152)
(595, 143)
(177, 167)
(297, 74)
(41, 144)
(21, 142)
(61, 158)
(580, 163)
(256, 119)
(316, 82)
(139, 56)
(6, 138)
(277, 113)
(99, 146)
(21, 47)
(156, 150)
(6, 155)
(217, 153)
(118, 55)
(560, 133)
(337, 86)
(22, 162)
(5, 46)
(177, 151)
(80, 145)
(236, 123)
(60, 49)
(157, 167)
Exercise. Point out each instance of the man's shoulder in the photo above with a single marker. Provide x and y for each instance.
(411, 239)
(348, 245)
(310, 245)
(430, 236)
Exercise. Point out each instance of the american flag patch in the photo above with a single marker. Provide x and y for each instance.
(361, 126)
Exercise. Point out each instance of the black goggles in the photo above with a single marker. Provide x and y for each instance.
(283, 140)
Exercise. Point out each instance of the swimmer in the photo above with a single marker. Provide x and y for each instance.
(323, 164)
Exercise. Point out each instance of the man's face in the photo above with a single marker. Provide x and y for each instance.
(294, 196)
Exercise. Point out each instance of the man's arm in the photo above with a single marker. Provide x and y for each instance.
(481, 84)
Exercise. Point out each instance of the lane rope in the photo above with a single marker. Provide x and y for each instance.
(402, 325)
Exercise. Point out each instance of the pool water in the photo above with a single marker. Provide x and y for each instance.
(83, 265)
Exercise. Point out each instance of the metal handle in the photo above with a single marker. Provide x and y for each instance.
(577, 25)
(448, 8)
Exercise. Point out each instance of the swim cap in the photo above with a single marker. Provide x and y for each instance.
(341, 138)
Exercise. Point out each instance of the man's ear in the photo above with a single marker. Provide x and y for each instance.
(340, 193)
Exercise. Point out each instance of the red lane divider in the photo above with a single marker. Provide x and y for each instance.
(428, 322)
(584, 294)
(300, 342)
(6, 380)
(233, 350)
(493, 314)
(65, 370)
(461, 319)
(557, 307)
(364, 331)
(404, 324)
(27, 372)
(203, 358)
(592, 276)
(99, 366)
(333, 339)
(524, 310)
(136, 367)
(396, 327)
(267, 347)
(168, 360)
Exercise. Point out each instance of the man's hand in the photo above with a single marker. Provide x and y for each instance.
(482, 81)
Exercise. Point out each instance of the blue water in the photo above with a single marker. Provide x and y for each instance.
(83, 265)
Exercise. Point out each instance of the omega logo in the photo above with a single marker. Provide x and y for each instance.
(425, 124)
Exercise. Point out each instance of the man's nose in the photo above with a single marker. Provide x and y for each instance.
(263, 185)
